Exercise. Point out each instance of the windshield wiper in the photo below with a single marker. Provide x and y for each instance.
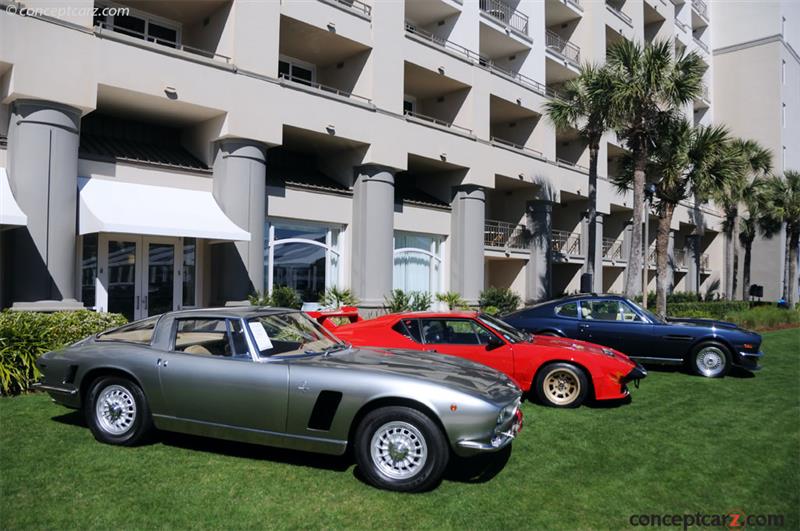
(327, 351)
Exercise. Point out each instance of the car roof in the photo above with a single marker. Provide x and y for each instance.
(236, 312)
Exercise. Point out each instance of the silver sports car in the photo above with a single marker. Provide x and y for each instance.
(275, 377)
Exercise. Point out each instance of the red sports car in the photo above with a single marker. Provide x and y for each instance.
(561, 372)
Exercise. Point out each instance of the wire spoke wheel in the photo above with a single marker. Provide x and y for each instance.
(710, 361)
(398, 450)
(562, 386)
(115, 410)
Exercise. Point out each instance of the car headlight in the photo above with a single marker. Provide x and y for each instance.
(507, 412)
(608, 352)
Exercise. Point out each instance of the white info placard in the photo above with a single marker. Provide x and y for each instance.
(261, 337)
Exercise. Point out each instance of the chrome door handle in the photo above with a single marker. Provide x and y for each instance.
(161, 363)
(431, 350)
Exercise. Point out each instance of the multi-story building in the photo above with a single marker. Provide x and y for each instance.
(757, 94)
(187, 153)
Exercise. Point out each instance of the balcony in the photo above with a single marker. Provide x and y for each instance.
(703, 101)
(701, 44)
(505, 236)
(359, 8)
(679, 258)
(304, 83)
(704, 263)
(416, 116)
(441, 42)
(566, 243)
(563, 47)
(612, 249)
(433, 99)
(559, 12)
(569, 164)
(682, 25)
(523, 80)
(615, 7)
(505, 14)
(701, 8)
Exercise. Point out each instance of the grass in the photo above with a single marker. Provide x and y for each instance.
(682, 445)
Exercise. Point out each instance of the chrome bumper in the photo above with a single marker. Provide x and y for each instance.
(749, 360)
(500, 440)
(39, 386)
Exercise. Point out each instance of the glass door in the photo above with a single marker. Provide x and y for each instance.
(122, 285)
(158, 282)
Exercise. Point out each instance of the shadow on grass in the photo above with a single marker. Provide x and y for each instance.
(735, 372)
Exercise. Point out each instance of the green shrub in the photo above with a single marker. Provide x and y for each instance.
(24, 336)
(710, 309)
(413, 301)
(764, 317)
(336, 298)
(282, 297)
(491, 310)
(503, 299)
(452, 299)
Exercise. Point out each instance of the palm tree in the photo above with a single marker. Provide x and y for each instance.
(585, 104)
(756, 222)
(754, 161)
(647, 81)
(684, 161)
(782, 204)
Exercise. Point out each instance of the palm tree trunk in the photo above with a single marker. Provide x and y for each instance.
(786, 263)
(662, 257)
(730, 255)
(633, 280)
(794, 240)
(594, 148)
(748, 250)
(736, 250)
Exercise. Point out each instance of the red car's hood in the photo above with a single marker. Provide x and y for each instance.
(577, 345)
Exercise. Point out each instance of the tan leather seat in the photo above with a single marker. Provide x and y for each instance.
(197, 349)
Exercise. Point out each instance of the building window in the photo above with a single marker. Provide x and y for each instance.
(418, 262)
(297, 70)
(304, 256)
(139, 25)
(89, 270)
(189, 272)
(409, 104)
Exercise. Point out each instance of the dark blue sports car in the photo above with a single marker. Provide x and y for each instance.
(709, 348)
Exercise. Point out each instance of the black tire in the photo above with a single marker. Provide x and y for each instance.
(561, 385)
(128, 422)
(710, 359)
(417, 434)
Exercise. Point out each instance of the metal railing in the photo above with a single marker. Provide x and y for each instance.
(704, 265)
(163, 42)
(679, 258)
(616, 8)
(322, 88)
(682, 25)
(444, 43)
(701, 7)
(651, 256)
(504, 235)
(575, 3)
(437, 121)
(564, 162)
(704, 94)
(519, 147)
(357, 6)
(505, 14)
(701, 44)
(566, 243)
(524, 80)
(563, 47)
(612, 248)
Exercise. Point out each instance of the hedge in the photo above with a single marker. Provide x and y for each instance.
(24, 336)
(710, 309)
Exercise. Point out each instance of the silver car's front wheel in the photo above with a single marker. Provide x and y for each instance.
(400, 448)
(117, 411)
(710, 361)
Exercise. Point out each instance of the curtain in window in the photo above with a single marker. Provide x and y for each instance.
(415, 271)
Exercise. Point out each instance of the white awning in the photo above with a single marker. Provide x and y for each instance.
(112, 206)
(10, 213)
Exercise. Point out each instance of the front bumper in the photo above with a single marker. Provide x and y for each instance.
(749, 360)
(501, 438)
(637, 373)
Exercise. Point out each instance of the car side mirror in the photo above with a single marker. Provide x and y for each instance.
(494, 342)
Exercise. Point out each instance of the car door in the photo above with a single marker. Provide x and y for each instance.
(209, 375)
(613, 323)
(466, 338)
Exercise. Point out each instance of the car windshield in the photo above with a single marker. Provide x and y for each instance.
(509, 332)
(289, 334)
(653, 317)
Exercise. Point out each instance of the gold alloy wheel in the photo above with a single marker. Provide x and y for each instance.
(562, 386)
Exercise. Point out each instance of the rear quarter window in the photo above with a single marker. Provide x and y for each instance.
(136, 332)
(569, 309)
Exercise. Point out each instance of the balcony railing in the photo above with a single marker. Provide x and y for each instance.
(564, 162)
(355, 5)
(505, 14)
(322, 88)
(701, 44)
(444, 43)
(651, 256)
(704, 263)
(536, 153)
(504, 235)
(524, 80)
(679, 258)
(575, 3)
(566, 243)
(436, 121)
(704, 94)
(682, 25)
(163, 42)
(617, 10)
(612, 248)
(563, 47)
(701, 8)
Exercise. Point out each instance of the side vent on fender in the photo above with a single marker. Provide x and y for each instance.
(324, 410)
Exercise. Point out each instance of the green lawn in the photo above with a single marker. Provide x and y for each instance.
(683, 445)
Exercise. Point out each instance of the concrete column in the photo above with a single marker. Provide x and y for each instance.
(671, 262)
(466, 252)
(539, 221)
(692, 259)
(373, 235)
(240, 190)
(597, 286)
(626, 249)
(43, 172)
